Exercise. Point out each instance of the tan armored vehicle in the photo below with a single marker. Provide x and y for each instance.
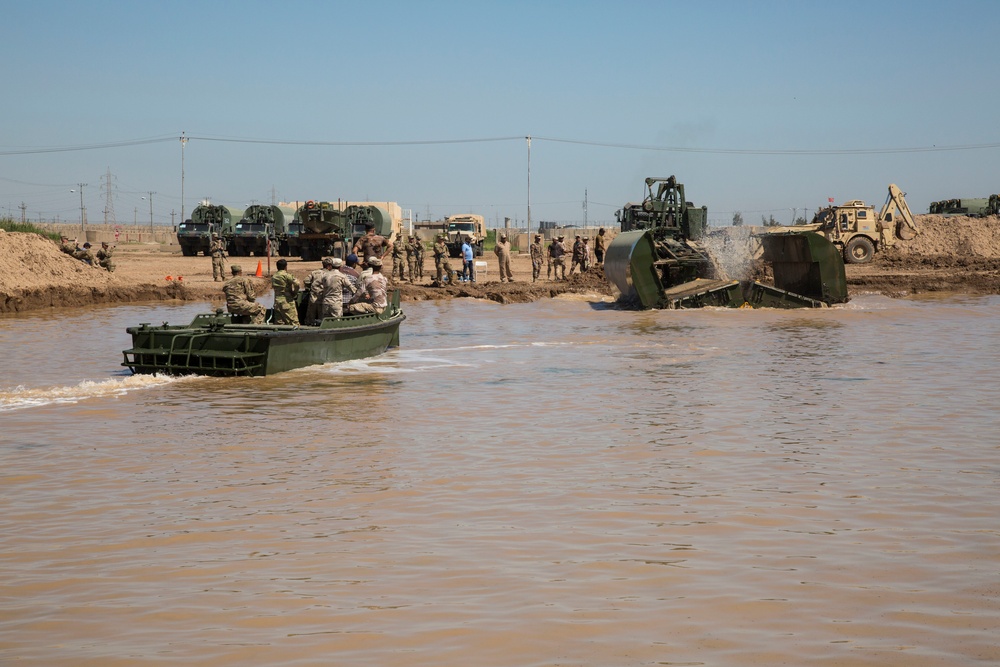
(859, 232)
(467, 225)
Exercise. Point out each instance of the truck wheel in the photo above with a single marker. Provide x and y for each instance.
(859, 250)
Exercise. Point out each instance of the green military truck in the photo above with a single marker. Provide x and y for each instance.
(263, 228)
(195, 234)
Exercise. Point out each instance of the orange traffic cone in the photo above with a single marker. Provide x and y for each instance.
(260, 270)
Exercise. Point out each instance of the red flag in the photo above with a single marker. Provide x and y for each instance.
(830, 199)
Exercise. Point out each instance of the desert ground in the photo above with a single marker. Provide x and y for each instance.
(950, 255)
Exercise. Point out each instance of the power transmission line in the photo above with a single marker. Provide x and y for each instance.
(109, 200)
(603, 144)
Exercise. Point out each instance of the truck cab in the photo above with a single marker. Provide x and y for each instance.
(460, 227)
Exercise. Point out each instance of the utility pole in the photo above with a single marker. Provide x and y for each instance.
(83, 211)
(23, 207)
(528, 138)
(135, 217)
(183, 143)
(173, 223)
(584, 208)
(151, 211)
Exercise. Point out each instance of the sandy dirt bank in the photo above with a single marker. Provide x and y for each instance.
(955, 254)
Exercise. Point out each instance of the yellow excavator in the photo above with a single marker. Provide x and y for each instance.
(858, 232)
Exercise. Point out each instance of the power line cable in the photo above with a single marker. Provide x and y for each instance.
(87, 147)
(428, 142)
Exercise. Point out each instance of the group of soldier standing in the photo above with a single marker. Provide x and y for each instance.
(343, 286)
(557, 251)
(101, 259)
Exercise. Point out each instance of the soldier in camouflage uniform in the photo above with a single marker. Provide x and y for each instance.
(373, 295)
(441, 263)
(68, 246)
(578, 256)
(104, 257)
(411, 258)
(240, 296)
(537, 254)
(286, 286)
(418, 256)
(217, 250)
(557, 257)
(371, 244)
(86, 255)
(398, 260)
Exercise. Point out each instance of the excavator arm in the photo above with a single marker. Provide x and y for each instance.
(895, 215)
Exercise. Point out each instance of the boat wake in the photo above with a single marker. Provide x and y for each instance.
(22, 397)
(415, 361)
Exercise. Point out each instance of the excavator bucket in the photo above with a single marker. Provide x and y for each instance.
(634, 266)
(629, 265)
(808, 272)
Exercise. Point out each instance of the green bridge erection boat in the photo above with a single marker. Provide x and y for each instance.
(216, 344)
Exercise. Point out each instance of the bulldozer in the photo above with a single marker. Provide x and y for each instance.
(658, 261)
(855, 228)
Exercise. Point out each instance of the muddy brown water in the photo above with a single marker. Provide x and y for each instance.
(552, 483)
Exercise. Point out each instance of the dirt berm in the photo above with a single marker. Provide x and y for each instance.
(951, 254)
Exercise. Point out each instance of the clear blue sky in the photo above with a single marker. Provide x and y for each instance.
(624, 83)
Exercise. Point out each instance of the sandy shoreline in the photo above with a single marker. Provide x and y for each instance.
(953, 255)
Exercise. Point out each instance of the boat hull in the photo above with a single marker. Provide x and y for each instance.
(215, 345)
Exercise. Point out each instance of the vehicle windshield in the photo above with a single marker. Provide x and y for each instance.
(249, 227)
(461, 227)
(191, 227)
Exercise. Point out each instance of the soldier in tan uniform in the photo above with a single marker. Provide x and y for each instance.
(312, 307)
(373, 295)
(217, 250)
(502, 251)
(286, 286)
(441, 263)
(240, 296)
(537, 254)
(599, 246)
(329, 288)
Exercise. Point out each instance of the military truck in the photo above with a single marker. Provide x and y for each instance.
(977, 207)
(460, 227)
(195, 235)
(361, 216)
(260, 229)
(326, 231)
(330, 229)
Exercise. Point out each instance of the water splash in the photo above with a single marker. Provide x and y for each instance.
(22, 397)
(732, 250)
